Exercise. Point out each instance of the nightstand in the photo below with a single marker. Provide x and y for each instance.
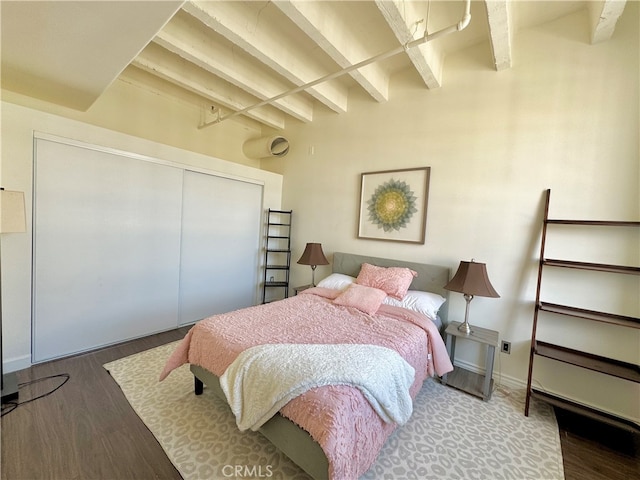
(297, 290)
(470, 382)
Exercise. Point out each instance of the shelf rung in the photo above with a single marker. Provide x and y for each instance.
(597, 363)
(585, 410)
(596, 316)
(601, 267)
(596, 223)
(276, 284)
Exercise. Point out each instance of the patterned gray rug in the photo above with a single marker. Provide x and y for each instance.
(451, 435)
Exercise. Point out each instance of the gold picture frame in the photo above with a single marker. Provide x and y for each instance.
(393, 205)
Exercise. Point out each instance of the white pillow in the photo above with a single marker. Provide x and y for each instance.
(336, 281)
(424, 302)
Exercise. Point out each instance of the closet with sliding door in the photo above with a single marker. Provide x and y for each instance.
(125, 246)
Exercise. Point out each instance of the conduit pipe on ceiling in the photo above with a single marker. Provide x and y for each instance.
(464, 21)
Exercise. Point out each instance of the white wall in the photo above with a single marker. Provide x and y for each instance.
(18, 125)
(564, 117)
(149, 112)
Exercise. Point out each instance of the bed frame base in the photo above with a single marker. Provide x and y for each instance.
(287, 437)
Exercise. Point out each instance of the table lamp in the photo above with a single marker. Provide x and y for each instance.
(471, 279)
(313, 256)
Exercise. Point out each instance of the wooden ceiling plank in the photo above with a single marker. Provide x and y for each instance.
(343, 47)
(188, 77)
(268, 46)
(604, 16)
(500, 28)
(222, 62)
(425, 60)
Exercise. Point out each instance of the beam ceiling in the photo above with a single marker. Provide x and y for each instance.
(230, 55)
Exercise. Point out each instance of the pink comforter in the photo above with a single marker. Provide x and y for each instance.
(338, 417)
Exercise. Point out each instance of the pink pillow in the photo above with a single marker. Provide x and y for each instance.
(393, 280)
(365, 299)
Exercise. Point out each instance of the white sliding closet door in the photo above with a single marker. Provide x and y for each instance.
(106, 248)
(221, 222)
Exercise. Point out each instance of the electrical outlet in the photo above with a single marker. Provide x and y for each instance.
(505, 347)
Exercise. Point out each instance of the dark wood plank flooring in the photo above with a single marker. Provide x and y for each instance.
(595, 451)
(87, 430)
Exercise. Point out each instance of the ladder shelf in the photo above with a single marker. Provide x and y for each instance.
(605, 365)
(277, 253)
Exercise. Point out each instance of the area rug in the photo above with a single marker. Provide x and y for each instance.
(451, 435)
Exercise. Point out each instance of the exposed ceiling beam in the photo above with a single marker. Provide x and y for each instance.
(320, 23)
(604, 16)
(186, 75)
(196, 47)
(425, 59)
(499, 22)
(269, 46)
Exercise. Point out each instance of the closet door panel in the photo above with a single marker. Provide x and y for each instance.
(106, 248)
(221, 222)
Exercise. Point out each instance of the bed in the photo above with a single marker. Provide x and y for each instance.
(292, 437)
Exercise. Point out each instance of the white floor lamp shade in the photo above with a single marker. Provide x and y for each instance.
(12, 220)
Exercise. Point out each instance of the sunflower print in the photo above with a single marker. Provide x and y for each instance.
(392, 205)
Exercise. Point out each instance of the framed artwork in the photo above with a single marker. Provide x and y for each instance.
(393, 205)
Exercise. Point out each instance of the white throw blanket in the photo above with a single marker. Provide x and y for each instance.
(263, 379)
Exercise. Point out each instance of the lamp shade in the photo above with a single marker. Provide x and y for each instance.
(472, 279)
(313, 255)
(12, 216)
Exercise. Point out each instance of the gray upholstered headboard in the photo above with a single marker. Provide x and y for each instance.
(431, 278)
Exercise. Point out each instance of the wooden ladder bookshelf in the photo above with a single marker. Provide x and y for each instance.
(277, 253)
(608, 366)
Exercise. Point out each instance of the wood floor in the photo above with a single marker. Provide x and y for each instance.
(87, 430)
(594, 451)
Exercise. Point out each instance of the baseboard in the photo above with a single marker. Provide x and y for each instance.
(511, 383)
(16, 363)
